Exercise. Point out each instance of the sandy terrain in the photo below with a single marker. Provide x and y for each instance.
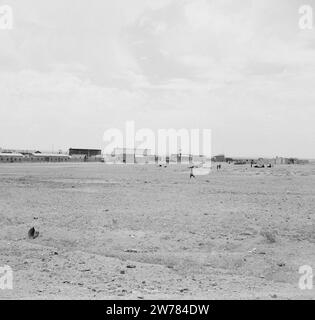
(119, 231)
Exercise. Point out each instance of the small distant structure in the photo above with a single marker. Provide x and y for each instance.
(86, 155)
(140, 159)
(240, 162)
(264, 162)
(303, 161)
(219, 158)
(152, 159)
(130, 155)
(181, 158)
(282, 160)
(185, 158)
(243, 161)
(86, 152)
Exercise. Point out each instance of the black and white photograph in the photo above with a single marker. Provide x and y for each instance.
(157, 150)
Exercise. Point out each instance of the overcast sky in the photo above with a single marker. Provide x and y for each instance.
(70, 69)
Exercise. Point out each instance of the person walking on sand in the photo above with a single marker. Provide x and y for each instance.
(191, 172)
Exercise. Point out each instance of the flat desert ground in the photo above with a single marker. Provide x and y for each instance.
(145, 232)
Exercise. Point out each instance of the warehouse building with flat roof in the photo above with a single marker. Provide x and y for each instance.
(86, 152)
(86, 155)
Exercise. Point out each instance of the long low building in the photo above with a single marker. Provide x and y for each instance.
(34, 157)
(48, 157)
(11, 157)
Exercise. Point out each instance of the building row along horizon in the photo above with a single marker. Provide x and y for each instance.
(131, 156)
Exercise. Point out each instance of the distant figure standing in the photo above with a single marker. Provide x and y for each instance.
(192, 173)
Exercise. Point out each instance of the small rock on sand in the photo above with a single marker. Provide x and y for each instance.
(131, 250)
(32, 233)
